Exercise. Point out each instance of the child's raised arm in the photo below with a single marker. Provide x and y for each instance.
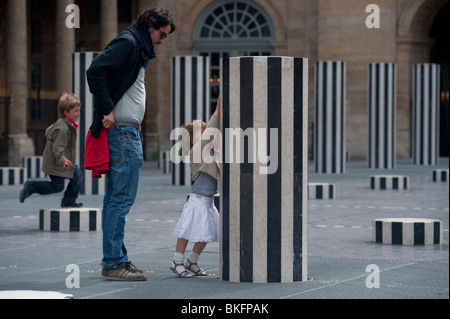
(217, 112)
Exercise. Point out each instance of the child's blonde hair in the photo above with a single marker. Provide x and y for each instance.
(67, 101)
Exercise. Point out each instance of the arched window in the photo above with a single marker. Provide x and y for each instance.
(230, 28)
(234, 20)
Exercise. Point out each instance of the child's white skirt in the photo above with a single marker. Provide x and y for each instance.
(199, 221)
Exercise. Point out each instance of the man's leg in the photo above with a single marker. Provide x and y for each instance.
(126, 158)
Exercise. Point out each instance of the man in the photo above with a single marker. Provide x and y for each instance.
(116, 79)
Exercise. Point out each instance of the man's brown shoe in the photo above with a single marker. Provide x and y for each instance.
(124, 272)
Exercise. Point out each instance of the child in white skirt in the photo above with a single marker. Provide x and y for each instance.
(199, 221)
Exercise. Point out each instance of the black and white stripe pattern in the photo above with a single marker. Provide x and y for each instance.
(164, 162)
(382, 115)
(33, 164)
(80, 63)
(440, 175)
(67, 220)
(425, 114)
(263, 204)
(389, 182)
(12, 176)
(190, 101)
(321, 191)
(407, 231)
(329, 128)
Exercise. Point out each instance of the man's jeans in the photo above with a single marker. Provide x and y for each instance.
(126, 158)
(56, 186)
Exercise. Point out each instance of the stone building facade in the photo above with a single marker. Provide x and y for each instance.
(36, 48)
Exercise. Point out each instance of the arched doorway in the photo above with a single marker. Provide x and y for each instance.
(244, 25)
(440, 54)
(416, 41)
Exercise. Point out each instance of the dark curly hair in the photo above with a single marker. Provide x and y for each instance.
(157, 18)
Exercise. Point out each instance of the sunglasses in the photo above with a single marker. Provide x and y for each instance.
(163, 35)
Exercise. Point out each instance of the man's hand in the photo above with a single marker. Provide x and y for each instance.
(108, 121)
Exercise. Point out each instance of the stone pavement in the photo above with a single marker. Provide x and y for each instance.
(340, 244)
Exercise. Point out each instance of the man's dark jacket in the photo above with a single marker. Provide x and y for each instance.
(116, 69)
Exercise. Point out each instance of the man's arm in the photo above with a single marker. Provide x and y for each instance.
(103, 67)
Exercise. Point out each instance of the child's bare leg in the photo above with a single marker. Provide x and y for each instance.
(198, 248)
(181, 245)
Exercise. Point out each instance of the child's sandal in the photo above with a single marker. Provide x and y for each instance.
(197, 271)
(181, 274)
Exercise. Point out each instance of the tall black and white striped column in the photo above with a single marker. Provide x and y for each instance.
(329, 128)
(425, 114)
(263, 179)
(382, 115)
(80, 63)
(190, 101)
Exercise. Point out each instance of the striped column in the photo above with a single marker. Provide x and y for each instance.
(321, 191)
(389, 182)
(80, 63)
(440, 175)
(190, 101)
(69, 220)
(382, 115)
(407, 231)
(164, 163)
(10, 176)
(33, 164)
(263, 179)
(329, 137)
(425, 114)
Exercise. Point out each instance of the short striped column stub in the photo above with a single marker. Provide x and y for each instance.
(425, 113)
(33, 164)
(440, 175)
(407, 231)
(389, 182)
(329, 125)
(13, 176)
(382, 115)
(321, 191)
(190, 101)
(263, 200)
(70, 219)
(81, 61)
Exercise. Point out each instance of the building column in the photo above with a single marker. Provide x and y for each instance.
(329, 138)
(425, 113)
(190, 102)
(109, 20)
(382, 115)
(20, 144)
(65, 46)
(263, 198)
(80, 63)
